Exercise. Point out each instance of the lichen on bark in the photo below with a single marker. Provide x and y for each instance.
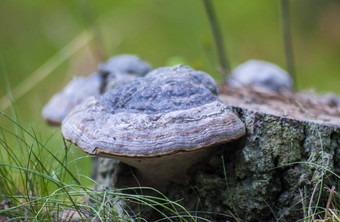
(282, 157)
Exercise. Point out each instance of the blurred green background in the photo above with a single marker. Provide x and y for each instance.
(161, 32)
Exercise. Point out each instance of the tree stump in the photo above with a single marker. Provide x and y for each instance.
(278, 171)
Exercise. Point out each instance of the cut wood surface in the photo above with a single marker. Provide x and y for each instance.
(304, 106)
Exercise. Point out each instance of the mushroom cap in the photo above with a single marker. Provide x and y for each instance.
(125, 64)
(74, 93)
(158, 115)
(260, 74)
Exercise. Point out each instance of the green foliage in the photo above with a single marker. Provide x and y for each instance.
(157, 30)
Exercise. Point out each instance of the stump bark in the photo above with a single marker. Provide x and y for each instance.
(290, 153)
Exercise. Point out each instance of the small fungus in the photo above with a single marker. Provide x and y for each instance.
(123, 68)
(118, 69)
(77, 91)
(260, 74)
(161, 124)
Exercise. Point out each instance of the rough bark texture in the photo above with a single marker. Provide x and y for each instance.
(290, 152)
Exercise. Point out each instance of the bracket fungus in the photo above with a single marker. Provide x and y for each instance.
(160, 124)
(123, 68)
(118, 69)
(260, 74)
(77, 91)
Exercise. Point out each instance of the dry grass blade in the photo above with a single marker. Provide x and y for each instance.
(334, 215)
(234, 217)
(310, 209)
(47, 68)
(331, 193)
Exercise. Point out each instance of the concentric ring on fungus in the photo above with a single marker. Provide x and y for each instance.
(160, 124)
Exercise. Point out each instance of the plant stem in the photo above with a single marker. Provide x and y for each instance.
(287, 40)
(217, 34)
(88, 14)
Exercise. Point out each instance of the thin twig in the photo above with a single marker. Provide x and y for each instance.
(287, 40)
(217, 34)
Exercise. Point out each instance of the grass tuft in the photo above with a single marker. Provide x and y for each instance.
(39, 185)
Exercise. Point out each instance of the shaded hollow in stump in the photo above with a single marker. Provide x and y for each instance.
(290, 153)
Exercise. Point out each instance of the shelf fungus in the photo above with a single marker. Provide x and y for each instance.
(161, 124)
(123, 68)
(77, 91)
(118, 69)
(262, 75)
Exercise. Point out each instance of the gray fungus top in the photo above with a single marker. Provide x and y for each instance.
(126, 64)
(76, 92)
(260, 74)
(121, 68)
(175, 111)
(180, 88)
